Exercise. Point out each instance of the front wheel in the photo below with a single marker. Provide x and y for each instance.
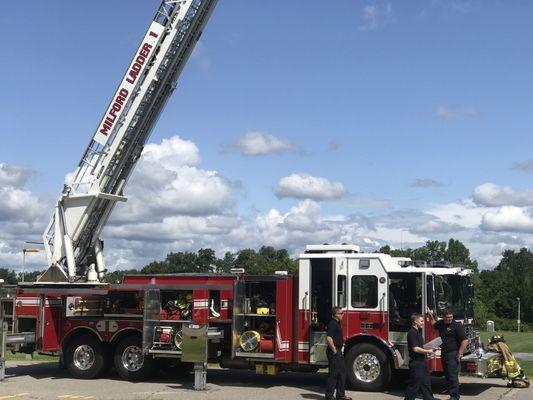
(130, 362)
(368, 367)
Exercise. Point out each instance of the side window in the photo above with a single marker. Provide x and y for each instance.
(364, 291)
(341, 291)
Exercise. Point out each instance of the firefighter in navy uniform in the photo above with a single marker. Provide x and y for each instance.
(336, 365)
(453, 345)
(419, 379)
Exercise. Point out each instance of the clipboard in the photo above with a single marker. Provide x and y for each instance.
(433, 343)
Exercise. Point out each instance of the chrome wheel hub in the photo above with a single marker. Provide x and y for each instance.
(366, 367)
(84, 357)
(132, 358)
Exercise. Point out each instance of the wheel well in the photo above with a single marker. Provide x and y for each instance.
(371, 340)
(125, 332)
(77, 332)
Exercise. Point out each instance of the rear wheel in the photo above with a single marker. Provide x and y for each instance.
(130, 362)
(368, 367)
(84, 357)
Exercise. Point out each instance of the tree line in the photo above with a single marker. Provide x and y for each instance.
(496, 290)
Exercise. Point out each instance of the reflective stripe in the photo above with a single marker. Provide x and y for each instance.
(28, 301)
(303, 346)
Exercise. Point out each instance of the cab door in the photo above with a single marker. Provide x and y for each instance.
(367, 300)
(431, 303)
(341, 291)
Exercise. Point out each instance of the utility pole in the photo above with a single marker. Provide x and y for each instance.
(518, 320)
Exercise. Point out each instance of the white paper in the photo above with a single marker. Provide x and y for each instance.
(433, 343)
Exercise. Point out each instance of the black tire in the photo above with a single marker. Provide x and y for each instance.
(84, 357)
(130, 362)
(368, 368)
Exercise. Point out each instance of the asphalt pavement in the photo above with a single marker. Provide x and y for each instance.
(30, 380)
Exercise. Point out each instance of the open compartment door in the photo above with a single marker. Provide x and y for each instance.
(303, 312)
(151, 317)
(238, 316)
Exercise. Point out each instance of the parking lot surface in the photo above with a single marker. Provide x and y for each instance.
(29, 380)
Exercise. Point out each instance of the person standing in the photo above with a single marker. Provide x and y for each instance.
(336, 365)
(453, 345)
(419, 379)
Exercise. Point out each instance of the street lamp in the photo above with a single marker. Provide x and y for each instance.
(28, 250)
(518, 320)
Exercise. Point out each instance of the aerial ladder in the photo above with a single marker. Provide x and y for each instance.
(71, 239)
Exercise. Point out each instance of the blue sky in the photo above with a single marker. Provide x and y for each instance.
(411, 107)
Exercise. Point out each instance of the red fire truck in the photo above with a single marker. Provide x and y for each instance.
(267, 323)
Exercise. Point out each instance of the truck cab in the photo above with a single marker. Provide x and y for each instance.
(378, 294)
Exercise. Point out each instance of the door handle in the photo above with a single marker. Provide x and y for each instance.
(304, 305)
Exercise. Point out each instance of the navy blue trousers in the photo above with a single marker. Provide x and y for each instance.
(336, 375)
(419, 380)
(451, 372)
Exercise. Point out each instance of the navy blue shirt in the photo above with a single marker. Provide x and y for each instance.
(335, 332)
(452, 335)
(415, 339)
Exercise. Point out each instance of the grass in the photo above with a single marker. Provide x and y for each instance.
(518, 343)
(36, 357)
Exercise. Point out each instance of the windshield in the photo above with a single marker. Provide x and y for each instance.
(455, 293)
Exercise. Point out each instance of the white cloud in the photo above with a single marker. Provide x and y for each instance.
(510, 219)
(261, 143)
(174, 228)
(175, 205)
(370, 16)
(426, 183)
(23, 215)
(167, 183)
(360, 201)
(435, 227)
(14, 175)
(464, 213)
(491, 195)
(201, 55)
(172, 152)
(305, 186)
(460, 6)
(301, 225)
(452, 113)
(374, 16)
(17, 203)
(524, 166)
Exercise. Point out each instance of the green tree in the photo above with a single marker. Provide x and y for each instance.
(155, 267)
(118, 275)
(266, 261)
(9, 276)
(457, 253)
(206, 260)
(512, 278)
(224, 265)
(29, 276)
